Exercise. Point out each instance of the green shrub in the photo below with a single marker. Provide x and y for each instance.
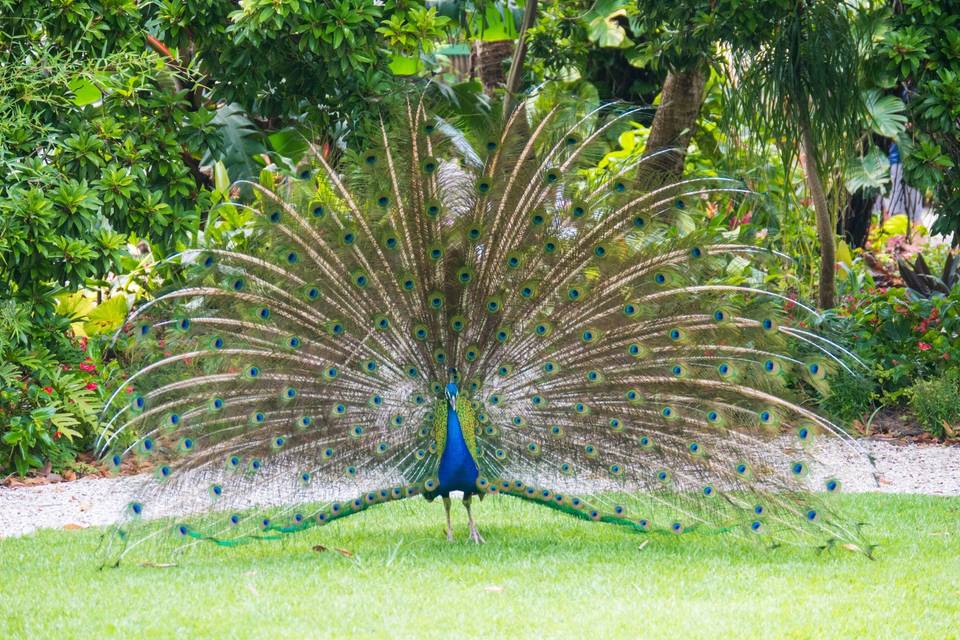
(936, 403)
(850, 398)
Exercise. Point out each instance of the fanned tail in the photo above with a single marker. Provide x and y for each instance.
(614, 371)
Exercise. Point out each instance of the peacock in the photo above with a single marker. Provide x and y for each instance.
(475, 306)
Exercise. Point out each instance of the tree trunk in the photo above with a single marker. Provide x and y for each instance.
(673, 125)
(825, 233)
(488, 62)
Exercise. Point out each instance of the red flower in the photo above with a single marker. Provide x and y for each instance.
(925, 346)
(83, 343)
(56, 436)
(88, 367)
(48, 389)
(129, 389)
(91, 386)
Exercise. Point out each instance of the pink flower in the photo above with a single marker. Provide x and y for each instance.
(91, 386)
(129, 389)
(925, 346)
(88, 367)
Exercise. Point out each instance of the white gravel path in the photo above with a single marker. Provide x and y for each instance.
(902, 468)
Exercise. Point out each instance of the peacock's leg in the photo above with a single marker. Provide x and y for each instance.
(474, 534)
(446, 506)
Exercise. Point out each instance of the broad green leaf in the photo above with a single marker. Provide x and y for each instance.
(107, 317)
(221, 177)
(290, 143)
(844, 255)
(404, 65)
(76, 306)
(887, 114)
(602, 24)
(240, 141)
(84, 92)
(872, 171)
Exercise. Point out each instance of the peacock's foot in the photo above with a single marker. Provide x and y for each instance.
(475, 536)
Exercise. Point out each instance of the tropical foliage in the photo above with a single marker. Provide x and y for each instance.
(124, 123)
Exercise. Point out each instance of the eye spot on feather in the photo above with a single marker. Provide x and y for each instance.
(275, 217)
(676, 527)
(832, 485)
(708, 491)
(619, 186)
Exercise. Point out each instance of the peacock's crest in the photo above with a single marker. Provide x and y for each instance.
(605, 367)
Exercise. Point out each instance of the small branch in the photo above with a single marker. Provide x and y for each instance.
(161, 48)
(516, 65)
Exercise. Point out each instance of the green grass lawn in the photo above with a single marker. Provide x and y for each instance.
(541, 574)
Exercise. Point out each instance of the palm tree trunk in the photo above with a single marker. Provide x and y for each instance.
(825, 233)
(673, 125)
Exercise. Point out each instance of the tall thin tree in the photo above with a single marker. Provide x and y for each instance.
(802, 88)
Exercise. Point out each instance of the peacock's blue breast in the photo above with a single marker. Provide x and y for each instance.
(458, 470)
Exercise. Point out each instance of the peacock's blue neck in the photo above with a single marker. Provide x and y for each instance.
(458, 470)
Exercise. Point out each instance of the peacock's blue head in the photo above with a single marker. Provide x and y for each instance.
(452, 392)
